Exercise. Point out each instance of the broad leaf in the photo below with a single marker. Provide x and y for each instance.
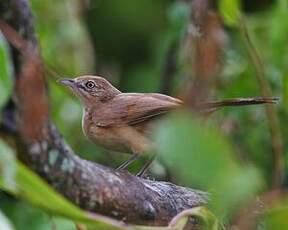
(200, 156)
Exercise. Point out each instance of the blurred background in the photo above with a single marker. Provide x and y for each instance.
(195, 50)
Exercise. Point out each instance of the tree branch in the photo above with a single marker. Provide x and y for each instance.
(89, 185)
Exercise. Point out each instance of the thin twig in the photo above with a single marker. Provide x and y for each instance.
(276, 137)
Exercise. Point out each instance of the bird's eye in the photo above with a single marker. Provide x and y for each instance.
(90, 84)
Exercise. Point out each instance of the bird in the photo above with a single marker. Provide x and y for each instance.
(122, 122)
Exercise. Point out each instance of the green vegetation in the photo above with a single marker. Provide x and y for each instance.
(230, 153)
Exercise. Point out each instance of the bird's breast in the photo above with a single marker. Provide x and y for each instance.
(107, 138)
(126, 139)
(104, 137)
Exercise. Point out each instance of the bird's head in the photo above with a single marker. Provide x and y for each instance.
(90, 89)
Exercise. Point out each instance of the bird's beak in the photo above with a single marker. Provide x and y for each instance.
(67, 82)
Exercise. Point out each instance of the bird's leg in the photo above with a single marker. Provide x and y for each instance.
(133, 158)
(146, 166)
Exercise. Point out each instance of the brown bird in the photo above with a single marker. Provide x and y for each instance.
(121, 121)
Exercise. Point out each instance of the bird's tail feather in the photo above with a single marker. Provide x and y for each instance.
(239, 102)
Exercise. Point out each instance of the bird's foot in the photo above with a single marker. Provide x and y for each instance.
(124, 165)
(146, 166)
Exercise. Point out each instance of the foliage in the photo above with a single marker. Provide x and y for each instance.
(230, 11)
(227, 153)
(205, 145)
(276, 218)
(7, 166)
(5, 223)
(5, 70)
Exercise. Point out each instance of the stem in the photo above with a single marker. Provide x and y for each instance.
(273, 122)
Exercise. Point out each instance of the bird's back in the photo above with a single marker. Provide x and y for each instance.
(134, 108)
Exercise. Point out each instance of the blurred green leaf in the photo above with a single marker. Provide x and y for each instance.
(178, 15)
(5, 72)
(25, 216)
(4, 222)
(7, 166)
(276, 218)
(230, 11)
(63, 38)
(200, 156)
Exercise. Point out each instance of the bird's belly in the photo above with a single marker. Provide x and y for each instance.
(107, 139)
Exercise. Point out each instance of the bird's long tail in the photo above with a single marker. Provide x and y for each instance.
(239, 102)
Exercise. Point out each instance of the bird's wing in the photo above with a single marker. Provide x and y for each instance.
(134, 108)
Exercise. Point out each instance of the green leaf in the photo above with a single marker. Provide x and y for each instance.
(230, 11)
(277, 218)
(7, 166)
(5, 72)
(4, 222)
(26, 216)
(200, 156)
(178, 15)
